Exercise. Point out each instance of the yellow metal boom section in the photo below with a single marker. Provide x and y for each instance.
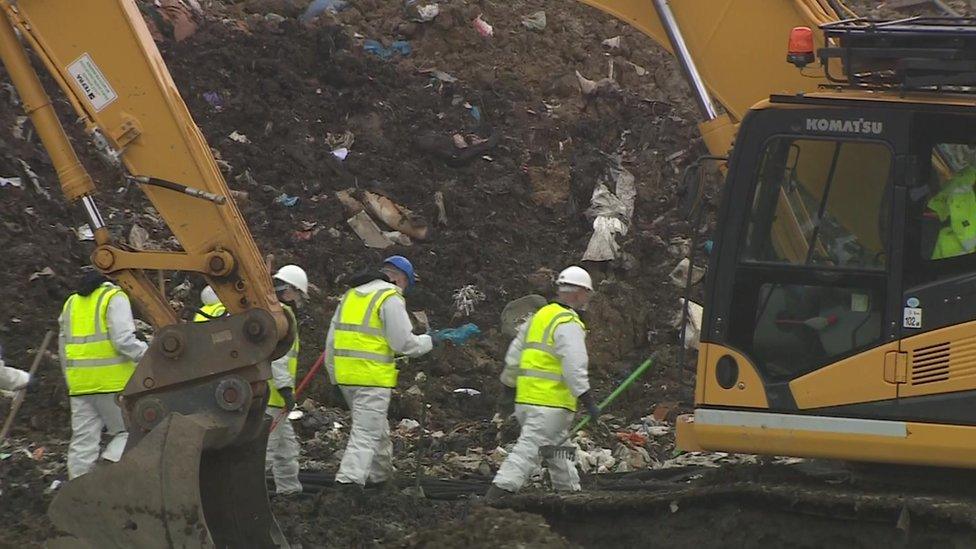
(739, 47)
(102, 56)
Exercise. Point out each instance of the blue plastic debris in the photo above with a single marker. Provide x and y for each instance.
(459, 335)
(708, 246)
(400, 46)
(318, 7)
(285, 200)
(476, 113)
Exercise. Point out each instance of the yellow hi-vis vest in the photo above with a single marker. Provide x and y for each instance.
(276, 400)
(92, 365)
(956, 202)
(215, 310)
(361, 355)
(540, 376)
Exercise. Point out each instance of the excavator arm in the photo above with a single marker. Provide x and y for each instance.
(192, 474)
(732, 51)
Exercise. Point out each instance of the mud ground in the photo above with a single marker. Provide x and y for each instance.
(514, 216)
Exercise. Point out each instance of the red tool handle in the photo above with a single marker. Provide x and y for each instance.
(301, 388)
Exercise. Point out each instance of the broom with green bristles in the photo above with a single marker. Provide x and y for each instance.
(560, 451)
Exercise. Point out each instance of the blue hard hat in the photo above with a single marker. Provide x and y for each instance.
(403, 265)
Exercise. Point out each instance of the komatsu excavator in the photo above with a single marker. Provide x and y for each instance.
(839, 302)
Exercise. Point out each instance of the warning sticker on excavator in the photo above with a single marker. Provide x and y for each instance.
(93, 84)
(912, 317)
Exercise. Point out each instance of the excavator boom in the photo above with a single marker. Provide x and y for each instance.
(192, 473)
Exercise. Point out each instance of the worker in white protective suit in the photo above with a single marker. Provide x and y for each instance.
(547, 365)
(99, 351)
(291, 286)
(368, 330)
(12, 379)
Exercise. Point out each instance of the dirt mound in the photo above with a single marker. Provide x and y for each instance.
(484, 525)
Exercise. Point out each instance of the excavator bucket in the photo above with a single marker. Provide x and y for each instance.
(168, 491)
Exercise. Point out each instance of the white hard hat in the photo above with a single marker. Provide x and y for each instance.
(208, 296)
(575, 276)
(294, 275)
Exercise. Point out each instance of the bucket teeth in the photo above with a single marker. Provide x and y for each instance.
(166, 491)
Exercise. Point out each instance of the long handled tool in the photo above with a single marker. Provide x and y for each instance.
(19, 399)
(561, 451)
(300, 389)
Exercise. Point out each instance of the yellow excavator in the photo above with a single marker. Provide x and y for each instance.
(830, 330)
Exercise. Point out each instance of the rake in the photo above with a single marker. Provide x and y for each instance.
(561, 451)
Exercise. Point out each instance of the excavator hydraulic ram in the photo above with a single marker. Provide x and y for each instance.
(192, 474)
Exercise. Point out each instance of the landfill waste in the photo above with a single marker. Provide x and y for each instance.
(318, 7)
(467, 391)
(34, 179)
(45, 272)
(595, 88)
(441, 208)
(367, 231)
(612, 43)
(427, 13)
(214, 99)
(407, 425)
(679, 275)
(341, 153)
(465, 299)
(395, 216)
(460, 335)
(286, 200)
(535, 21)
(11, 182)
(482, 26)
(443, 76)
(692, 333)
(374, 47)
(139, 238)
(85, 233)
(610, 211)
(398, 238)
(239, 137)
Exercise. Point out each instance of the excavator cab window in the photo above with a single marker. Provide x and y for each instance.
(811, 272)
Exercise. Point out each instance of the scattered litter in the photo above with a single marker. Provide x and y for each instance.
(285, 200)
(467, 391)
(599, 460)
(422, 321)
(239, 137)
(482, 26)
(295, 415)
(178, 16)
(401, 47)
(674, 507)
(53, 487)
(693, 328)
(341, 153)
(139, 238)
(318, 7)
(476, 113)
(398, 238)
(38, 453)
(465, 298)
(11, 182)
(34, 179)
(641, 71)
(631, 438)
(460, 335)
(84, 233)
(613, 43)
(662, 411)
(18, 129)
(679, 275)
(631, 458)
(427, 12)
(11, 93)
(395, 216)
(339, 141)
(611, 212)
(214, 99)
(441, 208)
(443, 76)
(46, 271)
(5, 456)
(535, 21)
(679, 247)
(708, 246)
(604, 86)
(407, 425)
(367, 231)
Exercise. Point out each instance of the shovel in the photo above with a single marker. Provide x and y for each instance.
(561, 451)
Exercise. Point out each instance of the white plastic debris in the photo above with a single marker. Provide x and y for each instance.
(679, 275)
(692, 333)
(465, 298)
(85, 233)
(341, 153)
(535, 21)
(295, 415)
(611, 212)
(467, 391)
(53, 487)
(239, 137)
(428, 12)
(11, 182)
(407, 425)
(612, 43)
(598, 460)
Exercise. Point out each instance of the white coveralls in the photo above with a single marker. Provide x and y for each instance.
(12, 379)
(92, 413)
(369, 453)
(283, 448)
(543, 425)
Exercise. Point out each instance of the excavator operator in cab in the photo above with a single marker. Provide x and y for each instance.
(955, 206)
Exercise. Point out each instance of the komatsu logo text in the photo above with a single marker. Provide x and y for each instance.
(861, 126)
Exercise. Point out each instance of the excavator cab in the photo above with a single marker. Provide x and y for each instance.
(839, 304)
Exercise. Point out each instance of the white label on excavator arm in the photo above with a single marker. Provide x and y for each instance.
(92, 82)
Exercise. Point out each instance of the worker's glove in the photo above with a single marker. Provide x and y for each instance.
(436, 338)
(591, 406)
(288, 394)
